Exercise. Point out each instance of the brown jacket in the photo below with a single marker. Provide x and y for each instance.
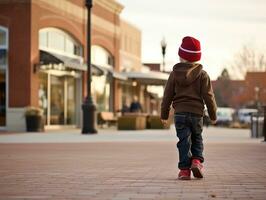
(187, 89)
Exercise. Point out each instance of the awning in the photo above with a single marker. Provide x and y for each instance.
(118, 75)
(47, 58)
(148, 78)
(111, 72)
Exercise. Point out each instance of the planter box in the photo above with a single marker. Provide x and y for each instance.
(131, 122)
(154, 122)
(34, 123)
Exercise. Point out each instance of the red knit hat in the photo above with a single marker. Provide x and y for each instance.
(190, 49)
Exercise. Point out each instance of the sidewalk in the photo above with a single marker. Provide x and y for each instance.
(138, 166)
(211, 134)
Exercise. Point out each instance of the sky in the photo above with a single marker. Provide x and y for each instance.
(222, 26)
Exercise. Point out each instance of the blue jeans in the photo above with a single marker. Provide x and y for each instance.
(188, 130)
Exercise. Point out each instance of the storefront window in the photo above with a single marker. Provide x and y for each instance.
(71, 101)
(101, 92)
(3, 37)
(57, 100)
(3, 57)
(102, 84)
(61, 100)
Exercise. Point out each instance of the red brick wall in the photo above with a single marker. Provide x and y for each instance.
(16, 17)
(241, 93)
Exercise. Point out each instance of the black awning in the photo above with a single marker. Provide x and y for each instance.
(47, 58)
(54, 58)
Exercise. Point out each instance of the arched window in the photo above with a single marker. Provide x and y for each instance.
(55, 40)
(100, 56)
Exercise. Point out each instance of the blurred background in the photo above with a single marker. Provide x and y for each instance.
(134, 45)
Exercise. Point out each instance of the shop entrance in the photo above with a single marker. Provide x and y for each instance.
(58, 99)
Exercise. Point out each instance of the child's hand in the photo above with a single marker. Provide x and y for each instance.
(164, 121)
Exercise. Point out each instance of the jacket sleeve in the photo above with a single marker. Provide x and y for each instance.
(168, 96)
(208, 96)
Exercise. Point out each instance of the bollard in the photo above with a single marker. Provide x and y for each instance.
(257, 126)
(264, 124)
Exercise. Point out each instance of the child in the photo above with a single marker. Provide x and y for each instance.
(187, 89)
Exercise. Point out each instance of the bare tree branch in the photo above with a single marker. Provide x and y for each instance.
(247, 60)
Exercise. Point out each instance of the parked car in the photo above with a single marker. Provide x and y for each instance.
(244, 115)
(224, 116)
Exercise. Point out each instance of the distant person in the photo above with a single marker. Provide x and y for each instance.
(187, 88)
(125, 108)
(135, 105)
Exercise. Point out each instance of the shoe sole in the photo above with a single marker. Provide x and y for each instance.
(196, 172)
(184, 178)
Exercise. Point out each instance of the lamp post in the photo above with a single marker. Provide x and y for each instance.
(264, 124)
(257, 90)
(163, 46)
(89, 109)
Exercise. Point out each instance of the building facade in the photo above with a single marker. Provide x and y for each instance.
(43, 59)
(250, 92)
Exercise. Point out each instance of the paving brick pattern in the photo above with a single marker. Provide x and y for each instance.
(128, 170)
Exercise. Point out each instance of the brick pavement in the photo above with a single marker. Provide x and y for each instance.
(128, 170)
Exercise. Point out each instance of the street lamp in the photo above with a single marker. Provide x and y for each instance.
(89, 109)
(257, 90)
(163, 46)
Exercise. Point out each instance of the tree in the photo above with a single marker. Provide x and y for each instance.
(224, 75)
(247, 60)
(222, 90)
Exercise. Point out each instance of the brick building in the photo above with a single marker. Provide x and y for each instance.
(250, 92)
(43, 59)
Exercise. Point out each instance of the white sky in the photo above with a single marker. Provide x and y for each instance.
(222, 26)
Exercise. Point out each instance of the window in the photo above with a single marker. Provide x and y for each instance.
(77, 50)
(43, 39)
(100, 56)
(3, 48)
(110, 60)
(56, 40)
(3, 38)
(3, 57)
(70, 47)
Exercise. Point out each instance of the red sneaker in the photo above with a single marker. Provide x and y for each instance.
(184, 174)
(196, 168)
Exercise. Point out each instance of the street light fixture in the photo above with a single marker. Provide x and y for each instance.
(163, 46)
(89, 109)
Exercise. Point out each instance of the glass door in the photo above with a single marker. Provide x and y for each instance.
(57, 100)
(70, 100)
(57, 97)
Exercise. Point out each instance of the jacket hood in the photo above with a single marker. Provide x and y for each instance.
(186, 73)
